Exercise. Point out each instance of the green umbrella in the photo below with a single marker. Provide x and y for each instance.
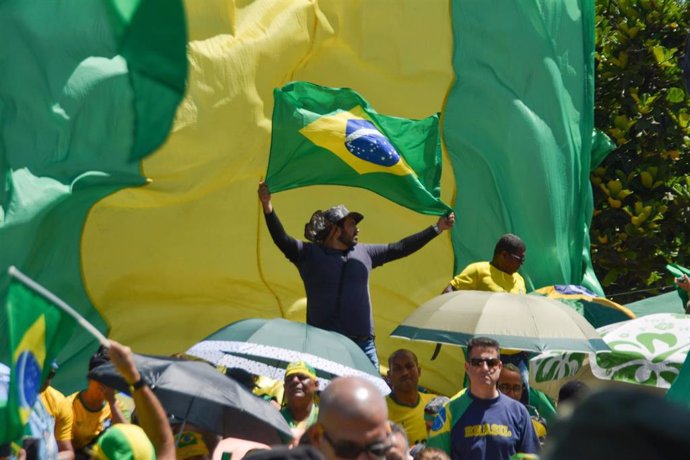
(266, 346)
(517, 321)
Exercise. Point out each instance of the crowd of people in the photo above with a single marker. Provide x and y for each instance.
(494, 415)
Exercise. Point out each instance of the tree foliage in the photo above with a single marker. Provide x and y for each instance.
(642, 189)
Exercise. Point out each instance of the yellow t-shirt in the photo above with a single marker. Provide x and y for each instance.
(87, 424)
(61, 409)
(482, 276)
(411, 418)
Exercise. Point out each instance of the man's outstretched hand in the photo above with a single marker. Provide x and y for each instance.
(446, 222)
(265, 197)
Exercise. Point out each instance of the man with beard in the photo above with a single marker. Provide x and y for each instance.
(300, 410)
(482, 423)
(335, 268)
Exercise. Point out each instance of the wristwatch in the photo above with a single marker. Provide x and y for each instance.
(436, 229)
(137, 385)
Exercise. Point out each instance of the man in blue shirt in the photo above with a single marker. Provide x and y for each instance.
(482, 423)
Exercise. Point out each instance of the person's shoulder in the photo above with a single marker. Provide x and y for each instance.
(481, 266)
(513, 405)
(55, 393)
(54, 397)
(424, 398)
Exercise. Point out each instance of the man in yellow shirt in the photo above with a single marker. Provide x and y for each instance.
(93, 409)
(61, 410)
(405, 402)
(499, 275)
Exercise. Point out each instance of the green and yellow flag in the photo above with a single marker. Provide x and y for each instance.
(324, 136)
(34, 331)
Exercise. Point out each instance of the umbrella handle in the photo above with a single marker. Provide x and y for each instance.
(437, 350)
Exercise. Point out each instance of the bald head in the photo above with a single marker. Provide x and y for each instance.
(351, 411)
(351, 398)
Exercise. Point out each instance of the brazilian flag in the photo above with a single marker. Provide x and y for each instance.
(33, 332)
(331, 136)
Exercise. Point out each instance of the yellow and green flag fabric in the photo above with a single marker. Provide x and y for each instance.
(87, 88)
(332, 136)
(134, 133)
(33, 332)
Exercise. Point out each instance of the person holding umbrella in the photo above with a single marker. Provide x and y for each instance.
(335, 268)
(125, 440)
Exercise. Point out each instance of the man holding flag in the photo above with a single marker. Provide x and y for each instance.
(335, 268)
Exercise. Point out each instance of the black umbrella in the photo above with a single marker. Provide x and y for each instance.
(195, 392)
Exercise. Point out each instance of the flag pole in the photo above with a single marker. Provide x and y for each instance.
(31, 284)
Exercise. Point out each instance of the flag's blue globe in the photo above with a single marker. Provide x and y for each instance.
(29, 379)
(367, 143)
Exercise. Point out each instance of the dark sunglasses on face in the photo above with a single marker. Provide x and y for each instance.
(490, 362)
(507, 388)
(517, 258)
(349, 449)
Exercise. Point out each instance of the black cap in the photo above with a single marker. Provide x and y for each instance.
(340, 212)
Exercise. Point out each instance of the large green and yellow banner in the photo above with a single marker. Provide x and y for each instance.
(160, 240)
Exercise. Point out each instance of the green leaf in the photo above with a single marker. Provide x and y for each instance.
(675, 95)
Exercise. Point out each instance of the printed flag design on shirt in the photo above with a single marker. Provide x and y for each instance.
(325, 136)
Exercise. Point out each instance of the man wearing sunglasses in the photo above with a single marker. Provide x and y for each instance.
(499, 275)
(482, 423)
(353, 421)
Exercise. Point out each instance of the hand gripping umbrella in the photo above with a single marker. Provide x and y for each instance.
(198, 394)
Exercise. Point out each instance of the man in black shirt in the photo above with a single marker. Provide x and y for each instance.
(335, 269)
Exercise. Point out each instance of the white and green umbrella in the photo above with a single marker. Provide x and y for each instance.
(646, 351)
(267, 346)
(516, 321)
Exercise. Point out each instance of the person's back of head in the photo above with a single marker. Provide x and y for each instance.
(625, 424)
(431, 453)
(301, 452)
(573, 392)
(123, 442)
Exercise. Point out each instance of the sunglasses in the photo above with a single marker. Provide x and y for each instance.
(517, 258)
(507, 388)
(349, 449)
(490, 362)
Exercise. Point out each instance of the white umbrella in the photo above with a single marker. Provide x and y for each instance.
(516, 321)
(267, 346)
(646, 351)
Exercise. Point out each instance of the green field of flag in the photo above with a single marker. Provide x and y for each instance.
(33, 333)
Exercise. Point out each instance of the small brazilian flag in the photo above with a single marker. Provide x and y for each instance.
(33, 333)
(331, 136)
